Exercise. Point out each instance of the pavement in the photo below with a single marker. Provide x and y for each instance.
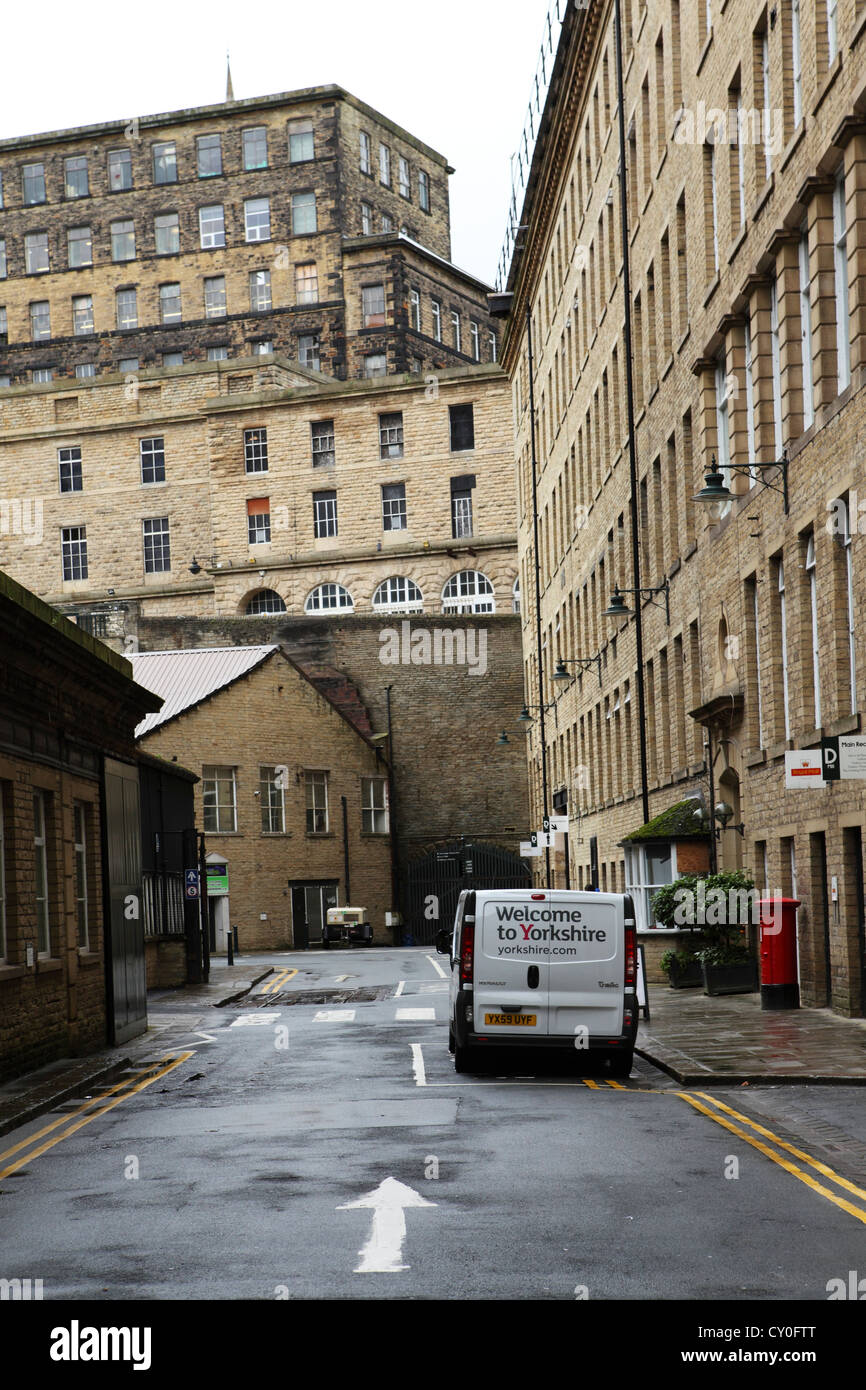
(725, 1040)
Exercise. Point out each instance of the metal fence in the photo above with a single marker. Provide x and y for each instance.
(163, 904)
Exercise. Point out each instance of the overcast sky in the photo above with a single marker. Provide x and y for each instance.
(456, 73)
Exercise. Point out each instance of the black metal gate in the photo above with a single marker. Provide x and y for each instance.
(436, 880)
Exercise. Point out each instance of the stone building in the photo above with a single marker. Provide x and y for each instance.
(304, 223)
(746, 203)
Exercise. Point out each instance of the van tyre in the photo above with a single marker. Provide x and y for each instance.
(465, 1058)
(451, 1042)
(621, 1063)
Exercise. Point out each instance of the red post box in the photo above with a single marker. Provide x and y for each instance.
(780, 988)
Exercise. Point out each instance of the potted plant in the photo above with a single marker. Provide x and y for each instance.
(716, 907)
(683, 968)
(681, 963)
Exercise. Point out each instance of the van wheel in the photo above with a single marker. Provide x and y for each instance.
(465, 1059)
(621, 1063)
(451, 1042)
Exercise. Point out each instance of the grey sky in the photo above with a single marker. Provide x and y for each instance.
(457, 73)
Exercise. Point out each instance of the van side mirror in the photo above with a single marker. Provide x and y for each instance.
(443, 941)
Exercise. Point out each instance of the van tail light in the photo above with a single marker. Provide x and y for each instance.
(630, 955)
(467, 951)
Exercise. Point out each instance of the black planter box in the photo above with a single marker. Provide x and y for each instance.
(731, 979)
(686, 976)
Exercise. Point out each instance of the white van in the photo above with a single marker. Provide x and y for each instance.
(543, 968)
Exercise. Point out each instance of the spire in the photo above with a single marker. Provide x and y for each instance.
(230, 92)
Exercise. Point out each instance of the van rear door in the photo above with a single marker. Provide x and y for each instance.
(512, 971)
(586, 964)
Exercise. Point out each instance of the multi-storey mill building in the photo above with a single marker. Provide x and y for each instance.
(746, 203)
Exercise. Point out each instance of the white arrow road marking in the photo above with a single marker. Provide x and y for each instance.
(383, 1251)
(437, 967)
(338, 979)
(334, 1016)
(399, 990)
(208, 1037)
(416, 1014)
(418, 1064)
(251, 1020)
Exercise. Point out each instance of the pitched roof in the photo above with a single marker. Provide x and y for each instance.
(185, 678)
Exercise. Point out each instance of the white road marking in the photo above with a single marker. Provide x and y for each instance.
(437, 987)
(416, 1015)
(252, 1020)
(418, 1064)
(338, 979)
(208, 1037)
(384, 1250)
(437, 967)
(334, 1016)
(399, 990)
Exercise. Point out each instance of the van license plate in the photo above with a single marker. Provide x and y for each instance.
(509, 1020)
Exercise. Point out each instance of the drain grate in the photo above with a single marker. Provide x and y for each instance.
(367, 994)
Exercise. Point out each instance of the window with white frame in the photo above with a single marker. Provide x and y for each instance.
(308, 350)
(366, 219)
(415, 309)
(849, 604)
(165, 162)
(79, 247)
(316, 786)
(397, 594)
(322, 437)
(4, 324)
(766, 114)
(255, 147)
(373, 306)
(364, 152)
(262, 347)
(648, 868)
(36, 253)
(493, 346)
(257, 219)
(455, 329)
(387, 222)
(40, 320)
(813, 615)
(40, 846)
(212, 226)
(209, 156)
(759, 685)
(469, 591)
(796, 63)
(806, 331)
(69, 468)
(33, 184)
(306, 284)
(260, 290)
(714, 201)
(384, 165)
(119, 170)
(215, 297)
(776, 363)
(329, 598)
(84, 370)
(42, 375)
(167, 233)
(300, 140)
(152, 456)
(436, 312)
(474, 341)
(515, 596)
(219, 795)
(324, 514)
(256, 450)
(75, 182)
(840, 276)
(741, 164)
(157, 547)
(123, 241)
(217, 354)
(394, 507)
(461, 512)
(375, 364)
(723, 438)
(2, 258)
(832, 30)
(82, 315)
(272, 796)
(403, 182)
(391, 435)
(423, 191)
(783, 632)
(374, 805)
(750, 400)
(265, 601)
(303, 213)
(169, 305)
(128, 364)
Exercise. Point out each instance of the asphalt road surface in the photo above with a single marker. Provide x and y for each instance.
(326, 1149)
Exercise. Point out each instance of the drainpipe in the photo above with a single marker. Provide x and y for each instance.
(346, 851)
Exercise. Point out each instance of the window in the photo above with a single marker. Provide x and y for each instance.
(215, 297)
(394, 507)
(73, 550)
(36, 253)
(300, 141)
(40, 320)
(468, 592)
(374, 805)
(398, 595)
(257, 219)
(217, 354)
(775, 359)
(308, 350)
(384, 165)
(303, 213)
(172, 359)
(42, 375)
(260, 290)
(328, 597)
(364, 152)
(212, 227)
(765, 87)
(461, 513)
(119, 170)
(157, 553)
(796, 63)
(69, 464)
(375, 364)
(2, 258)
(324, 514)
(648, 868)
(474, 341)
(813, 613)
(723, 437)
(255, 147)
(455, 329)
(317, 802)
(272, 797)
(265, 601)
(33, 184)
(750, 400)
(4, 326)
(840, 275)
(436, 311)
(387, 222)
(515, 596)
(152, 454)
(373, 306)
(40, 847)
(712, 171)
(832, 30)
(262, 348)
(306, 284)
(258, 520)
(492, 346)
(79, 247)
(415, 310)
(85, 369)
(167, 232)
(806, 332)
(783, 644)
(123, 241)
(322, 433)
(80, 817)
(403, 183)
(209, 156)
(366, 219)
(423, 191)
(219, 795)
(128, 364)
(75, 177)
(462, 425)
(849, 595)
(165, 162)
(391, 435)
(82, 315)
(256, 450)
(169, 304)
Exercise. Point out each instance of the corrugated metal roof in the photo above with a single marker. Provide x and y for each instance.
(183, 678)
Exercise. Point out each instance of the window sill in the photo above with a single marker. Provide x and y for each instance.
(88, 958)
(794, 142)
(763, 196)
(755, 759)
(704, 51)
(711, 291)
(12, 972)
(320, 835)
(832, 73)
(778, 750)
(47, 965)
(848, 724)
(737, 242)
(858, 32)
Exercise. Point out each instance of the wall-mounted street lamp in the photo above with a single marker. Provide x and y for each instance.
(584, 662)
(503, 740)
(524, 717)
(208, 562)
(723, 813)
(716, 491)
(618, 608)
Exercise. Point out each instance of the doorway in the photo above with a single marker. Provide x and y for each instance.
(310, 903)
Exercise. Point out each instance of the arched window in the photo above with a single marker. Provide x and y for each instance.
(469, 591)
(265, 601)
(515, 596)
(398, 595)
(329, 598)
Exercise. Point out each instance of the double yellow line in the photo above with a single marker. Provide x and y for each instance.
(697, 1099)
(120, 1092)
(273, 986)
